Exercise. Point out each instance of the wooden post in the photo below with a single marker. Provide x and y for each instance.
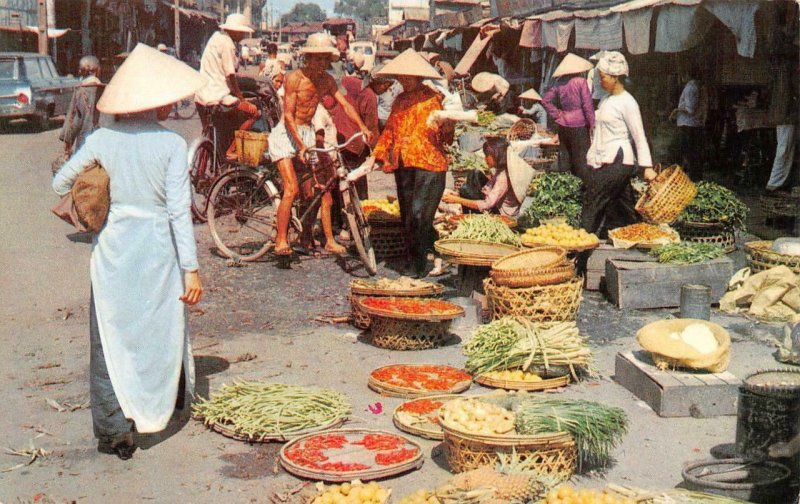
(177, 29)
(221, 11)
(86, 16)
(42, 16)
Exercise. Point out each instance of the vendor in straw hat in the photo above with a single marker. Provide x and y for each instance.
(143, 266)
(530, 105)
(218, 65)
(492, 90)
(305, 88)
(569, 103)
(612, 158)
(415, 152)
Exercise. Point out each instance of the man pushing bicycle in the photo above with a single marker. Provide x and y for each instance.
(295, 134)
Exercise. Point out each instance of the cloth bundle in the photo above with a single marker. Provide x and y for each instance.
(772, 295)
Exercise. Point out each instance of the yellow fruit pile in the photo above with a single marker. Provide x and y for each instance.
(567, 495)
(561, 234)
(421, 496)
(515, 375)
(353, 493)
(381, 209)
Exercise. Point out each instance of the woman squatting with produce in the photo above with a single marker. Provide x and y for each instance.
(414, 151)
(569, 103)
(143, 266)
(607, 191)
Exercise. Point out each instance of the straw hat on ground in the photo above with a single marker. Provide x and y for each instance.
(572, 64)
(409, 63)
(320, 43)
(148, 79)
(531, 94)
(483, 82)
(520, 173)
(237, 22)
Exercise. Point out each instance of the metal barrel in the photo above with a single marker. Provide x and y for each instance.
(696, 301)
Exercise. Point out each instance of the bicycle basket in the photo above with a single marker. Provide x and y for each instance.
(250, 146)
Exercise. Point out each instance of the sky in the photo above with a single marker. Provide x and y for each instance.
(284, 6)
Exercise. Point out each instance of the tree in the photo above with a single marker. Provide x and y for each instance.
(364, 9)
(304, 13)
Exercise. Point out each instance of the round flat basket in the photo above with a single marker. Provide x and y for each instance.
(778, 383)
(403, 334)
(508, 221)
(780, 205)
(666, 196)
(359, 289)
(388, 239)
(570, 250)
(523, 129)
(546, 384)
(709, 232)
(555, 455)
(761, 257)
(266, 438)
(425, 309)
(423, 425)
(349, 454)
(383, 380)
(542, 303)
(538, 266)
(472, 252)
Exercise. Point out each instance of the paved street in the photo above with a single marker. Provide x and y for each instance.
(258, 311)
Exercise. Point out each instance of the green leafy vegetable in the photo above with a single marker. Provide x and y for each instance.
(553, 195)
(687, 252)
(715, 203)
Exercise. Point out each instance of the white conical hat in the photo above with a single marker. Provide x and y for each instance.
(409, 63)
(237, 22)
(483, 82)
(531, 94)
(148, 79)
(572, 64)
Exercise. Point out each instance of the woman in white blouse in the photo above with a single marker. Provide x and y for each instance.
(619, 151)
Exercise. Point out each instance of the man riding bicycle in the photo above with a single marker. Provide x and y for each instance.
(295, 133)
(218, 65)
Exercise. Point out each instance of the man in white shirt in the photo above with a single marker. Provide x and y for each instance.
(218, 65)
(385, 102)
(690, 116)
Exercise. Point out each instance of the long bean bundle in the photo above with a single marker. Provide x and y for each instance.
(597, 428)
(510, 343)
(485, 228)
(258, 409)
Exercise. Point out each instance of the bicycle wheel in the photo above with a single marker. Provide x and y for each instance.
(359, 229)
(185, 109)
(203, 171)
(241, 215)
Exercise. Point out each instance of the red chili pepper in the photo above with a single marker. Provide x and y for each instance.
(440, 378)
(395, 457)
(421, 406)
(375, 442)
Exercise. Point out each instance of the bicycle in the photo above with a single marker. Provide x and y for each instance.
(244, 201)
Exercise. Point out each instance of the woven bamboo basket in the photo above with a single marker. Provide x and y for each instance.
(538, 266)
(761, 257)
(472, 252)
(357, 293)
(390, 390)
(555, 454)
(388, 239)
(266, 438)
(667, 196)
(709, 232)
(398, 334)
(780, 205)
(542, 303)
(550, 151)
(250, 146)
(546, 384)
(427, 430)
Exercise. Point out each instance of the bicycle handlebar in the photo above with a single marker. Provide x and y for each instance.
(335, 147)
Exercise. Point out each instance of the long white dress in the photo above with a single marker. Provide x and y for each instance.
(137, 262)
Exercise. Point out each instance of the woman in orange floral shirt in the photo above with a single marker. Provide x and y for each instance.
(415, 152)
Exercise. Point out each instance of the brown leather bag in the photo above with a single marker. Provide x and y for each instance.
(86, 205)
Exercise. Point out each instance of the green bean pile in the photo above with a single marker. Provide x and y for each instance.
(259, 409)
(485, 228)
(687, 252)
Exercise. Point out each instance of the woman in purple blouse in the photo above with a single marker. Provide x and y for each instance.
(569, 103)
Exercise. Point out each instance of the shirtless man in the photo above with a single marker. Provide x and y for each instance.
(295, 133)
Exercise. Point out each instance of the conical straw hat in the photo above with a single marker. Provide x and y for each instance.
(572, 64)
(147, 80)
(409, 63)
(531, 94)
(483, 82)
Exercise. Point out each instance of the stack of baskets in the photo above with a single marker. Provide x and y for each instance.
(761, 257)
(666, 196)
(251, 146)
(359, 290)
(539, 285)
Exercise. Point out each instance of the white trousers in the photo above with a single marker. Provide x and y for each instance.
(784, 156)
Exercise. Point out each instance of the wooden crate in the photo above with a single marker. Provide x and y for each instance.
(648, 284)
(677, 393)
(596, 263)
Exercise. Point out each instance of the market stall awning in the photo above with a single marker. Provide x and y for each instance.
(193, 13)
(474, 51)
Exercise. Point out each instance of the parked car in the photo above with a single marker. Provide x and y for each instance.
(366, 48)
(31, 88)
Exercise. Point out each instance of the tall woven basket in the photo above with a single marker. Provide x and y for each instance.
(388, 239)
(709, 232)
(250, 146)
(540, 303)
(667, 196)
(555, 454)
(398, 334)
